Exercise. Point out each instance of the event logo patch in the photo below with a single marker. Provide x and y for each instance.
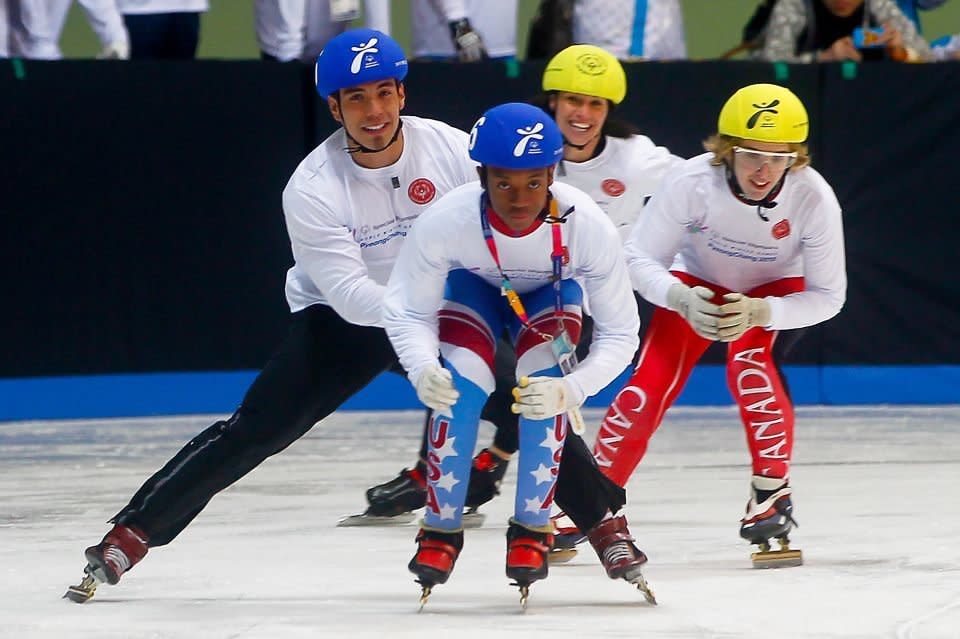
(613, 187)
(421, 191)
(780, 230)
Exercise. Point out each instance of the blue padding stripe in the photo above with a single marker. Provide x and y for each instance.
(220, 392)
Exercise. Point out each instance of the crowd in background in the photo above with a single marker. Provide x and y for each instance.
(473, 30)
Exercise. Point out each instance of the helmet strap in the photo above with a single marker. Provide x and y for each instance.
(356, 147)
(768, 200)
(601, 143)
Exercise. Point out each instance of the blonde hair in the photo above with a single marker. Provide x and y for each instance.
(722, 148)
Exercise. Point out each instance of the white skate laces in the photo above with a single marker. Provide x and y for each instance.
(618, 552)
(116, 558)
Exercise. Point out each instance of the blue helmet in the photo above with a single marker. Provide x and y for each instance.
(516, 135)
(356, 57)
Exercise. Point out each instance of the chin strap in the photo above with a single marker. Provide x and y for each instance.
(580, 147)
(765, 203)
(359, 148)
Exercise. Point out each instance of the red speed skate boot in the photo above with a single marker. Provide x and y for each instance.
(435, 558)
(621, 558)
(527, 552)
(121, 549)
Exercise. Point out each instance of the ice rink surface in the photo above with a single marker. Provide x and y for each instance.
(876, 492)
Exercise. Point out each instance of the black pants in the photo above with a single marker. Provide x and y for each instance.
(323, 361)
(163, 35)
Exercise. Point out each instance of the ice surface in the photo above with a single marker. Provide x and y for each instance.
(875, 491)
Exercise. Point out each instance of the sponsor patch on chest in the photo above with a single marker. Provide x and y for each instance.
(613, 187)
(421, 191)
(780, 230)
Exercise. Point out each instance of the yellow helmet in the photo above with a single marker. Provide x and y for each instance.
(586, 69)
(766, 113)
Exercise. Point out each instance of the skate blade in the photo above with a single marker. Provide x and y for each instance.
(472, 519)
(644, 588)
(561, 555)
(82, 592)
(363, 519)
(524, 593)
(424, 595)
(777, 559)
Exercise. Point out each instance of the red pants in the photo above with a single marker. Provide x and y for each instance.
(669, 352)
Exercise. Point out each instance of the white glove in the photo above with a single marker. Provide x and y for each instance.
(694, 305)
(740, 314)
(435, 389)
(468, 43)
(544, 397)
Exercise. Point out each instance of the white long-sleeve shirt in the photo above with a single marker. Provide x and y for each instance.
(43, 25)
(347, 223)
(162, 6)
(449, 237)
(494, 20)
(694, 224)
(621, 177)
(652, 30)
(299, 29)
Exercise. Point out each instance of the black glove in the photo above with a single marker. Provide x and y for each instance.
(468, 43)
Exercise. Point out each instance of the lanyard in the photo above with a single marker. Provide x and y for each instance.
(556, 259)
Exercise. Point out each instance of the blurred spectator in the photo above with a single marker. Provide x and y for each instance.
(323, 22)
(163, 28)
(632, 29)
(464, 30)
(298, 29)
(280, 26)
(822, 31)
(6, 19)
(910, 7)
(754, 31)
(41, 24)
(551, 29)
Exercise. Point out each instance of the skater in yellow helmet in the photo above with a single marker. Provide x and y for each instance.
(741, 244)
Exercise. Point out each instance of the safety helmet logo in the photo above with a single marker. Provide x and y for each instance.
(529, 136)
(591, 64)
(363, 51)
(765, 110)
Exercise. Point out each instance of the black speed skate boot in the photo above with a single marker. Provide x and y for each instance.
(621, 558)
(402, 494)
(769, 515)
(566, 538)
(486, 475)
(393, 502)
(121, 549)
(527, 552)
(435, 558)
